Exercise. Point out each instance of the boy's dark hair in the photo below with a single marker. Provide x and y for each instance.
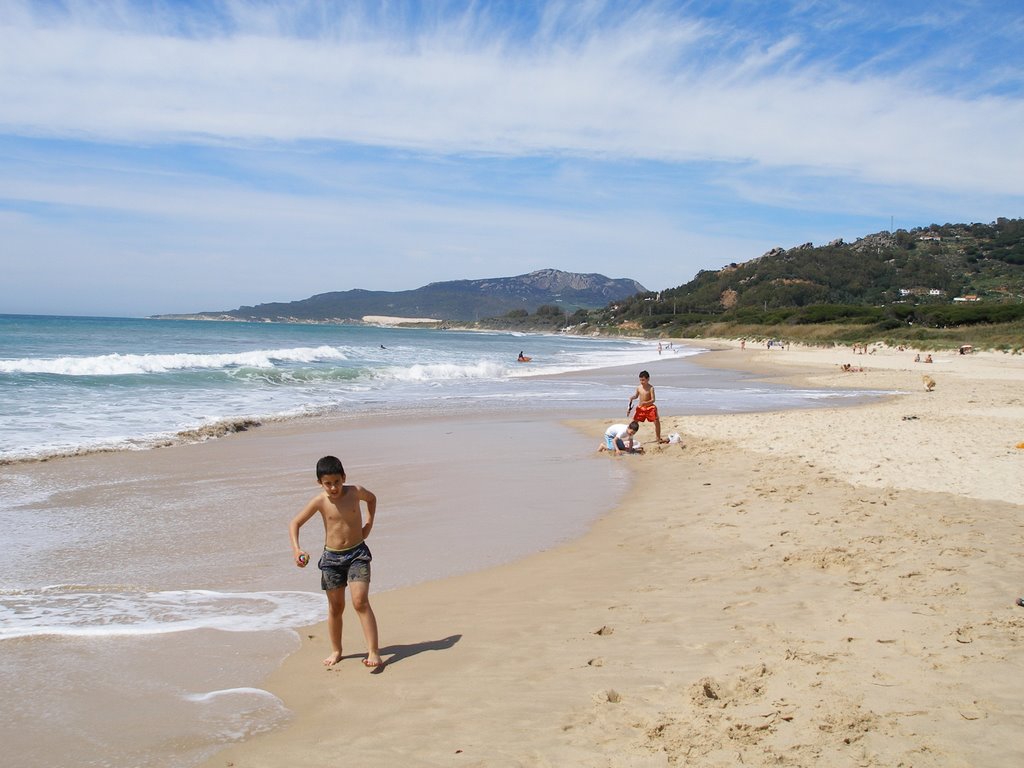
(644, 375)
(329, 465)
(634, 426)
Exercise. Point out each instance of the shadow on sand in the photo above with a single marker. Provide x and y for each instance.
(392, 654)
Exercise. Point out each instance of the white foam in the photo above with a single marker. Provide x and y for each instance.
(77, 611)
(444, 372)
(640, 354)
(126, 364)
(235, 714)
(225, 692)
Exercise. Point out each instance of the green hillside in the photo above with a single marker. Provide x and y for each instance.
(929, 283)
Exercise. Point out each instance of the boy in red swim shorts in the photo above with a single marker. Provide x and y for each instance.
(646, 410)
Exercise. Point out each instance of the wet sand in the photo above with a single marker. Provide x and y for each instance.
(826, 586)
(456, 495)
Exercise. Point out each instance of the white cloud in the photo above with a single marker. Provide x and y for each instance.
(616, 92)
(257, 146)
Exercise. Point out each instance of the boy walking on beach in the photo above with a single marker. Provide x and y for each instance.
(646, 410)
(346, 558)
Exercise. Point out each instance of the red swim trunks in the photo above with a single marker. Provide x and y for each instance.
(646, 413)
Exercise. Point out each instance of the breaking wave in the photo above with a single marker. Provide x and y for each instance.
(128, 364)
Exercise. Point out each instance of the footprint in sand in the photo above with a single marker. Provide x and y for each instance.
(971, 711)
(740, 604)
(611, 696)
(965, 634)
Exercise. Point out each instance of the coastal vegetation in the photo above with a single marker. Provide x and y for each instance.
(935, 287)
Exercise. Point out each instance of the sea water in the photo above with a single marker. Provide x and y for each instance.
(141, 603)
(70, 385)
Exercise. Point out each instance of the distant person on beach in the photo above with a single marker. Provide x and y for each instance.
(346, 558)
(646, 410)
(619, 438)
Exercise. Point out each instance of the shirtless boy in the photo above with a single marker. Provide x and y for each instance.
(346, 558)
(646, 410)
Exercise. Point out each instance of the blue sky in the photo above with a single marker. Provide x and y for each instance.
(162, 156)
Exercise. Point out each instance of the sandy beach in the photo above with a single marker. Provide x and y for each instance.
(829, 586)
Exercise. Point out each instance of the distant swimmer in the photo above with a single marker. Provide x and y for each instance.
(523, 358)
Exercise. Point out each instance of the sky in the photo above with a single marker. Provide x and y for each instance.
(176, 156)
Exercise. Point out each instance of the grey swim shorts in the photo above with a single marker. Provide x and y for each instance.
(338, 568)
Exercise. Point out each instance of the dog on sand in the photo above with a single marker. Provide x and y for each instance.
(929, 382)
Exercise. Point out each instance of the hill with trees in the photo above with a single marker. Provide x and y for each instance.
(896, 284)
(454, 300)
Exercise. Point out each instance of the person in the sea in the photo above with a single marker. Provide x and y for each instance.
(619, 438)
(646, 410)
(522, 358)
(346, 558)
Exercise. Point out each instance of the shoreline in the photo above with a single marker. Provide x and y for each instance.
(352, 389)
(796, 586)
(184, 581)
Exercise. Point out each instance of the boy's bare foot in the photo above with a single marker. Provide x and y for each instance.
(373, 661)
(333, 659)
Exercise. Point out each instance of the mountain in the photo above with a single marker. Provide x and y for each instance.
(453, 300)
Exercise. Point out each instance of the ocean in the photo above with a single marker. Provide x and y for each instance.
(147, 586)
(70, 385)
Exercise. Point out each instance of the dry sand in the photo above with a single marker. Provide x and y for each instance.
(819, 587)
